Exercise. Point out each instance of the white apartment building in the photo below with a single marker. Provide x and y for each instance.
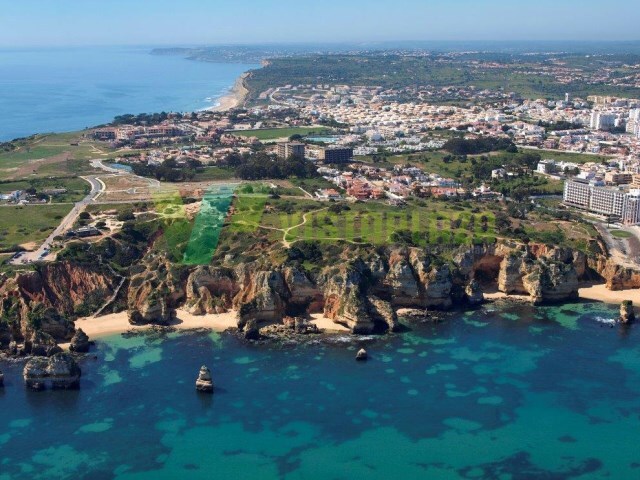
(595, 198)
(602, 121)
(547, 167)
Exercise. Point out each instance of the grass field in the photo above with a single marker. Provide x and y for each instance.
(424, 223)
(620, 234)
(50, 155)
(30, 223)
(276, 133)
(77, 188)
(215, 173)
(569, 156)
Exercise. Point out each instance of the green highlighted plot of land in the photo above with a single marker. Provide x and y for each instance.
(387, 226)
(208, 225)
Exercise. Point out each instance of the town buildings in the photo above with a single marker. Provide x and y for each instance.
(291, 150)
(336, 155)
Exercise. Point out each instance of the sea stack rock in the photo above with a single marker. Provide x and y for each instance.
(204, 383)
(251, 330)
(627, 313)
(79, 342)
(64, 372)
(1, 379)
(35, 373)
(362, 355)
(474, 293)
(59, 372)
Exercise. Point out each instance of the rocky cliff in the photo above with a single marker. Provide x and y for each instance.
(47, 299)
(361, 288)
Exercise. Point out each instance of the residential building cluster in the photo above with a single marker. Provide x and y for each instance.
(364, 182)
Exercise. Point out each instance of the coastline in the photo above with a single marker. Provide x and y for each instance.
(235, 98)
(118, 323)
(599, 293)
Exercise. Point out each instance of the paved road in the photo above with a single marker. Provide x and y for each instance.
(66, 224)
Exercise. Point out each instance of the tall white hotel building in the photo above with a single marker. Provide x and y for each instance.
(601, 200)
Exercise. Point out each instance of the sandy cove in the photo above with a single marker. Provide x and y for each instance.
(117, 323)
(234, 99)
(593, 293)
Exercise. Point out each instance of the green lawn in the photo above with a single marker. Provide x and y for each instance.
(621, 234)
(276, 133)
(29, 223)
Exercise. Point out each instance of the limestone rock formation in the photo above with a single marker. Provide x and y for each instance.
(251, 330)
(45, 299)
(382, 312)
(154, 292)
(204, 382)
(80, 342)
(153, 310)
(261, 298)
(405, 288)
(210, 290)
(59, 372)
(474, 293)
(627, 312)
(1, 379)
(41, 344)
(304, 294)
(300, 326)
(35, 373)
(438, 288)
(362, 355)
(549, 277)
(63, 371)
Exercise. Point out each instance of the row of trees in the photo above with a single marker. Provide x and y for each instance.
(170, 170)
(461, 146)
(262, 166)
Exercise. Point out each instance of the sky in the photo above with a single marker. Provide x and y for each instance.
(210, 22)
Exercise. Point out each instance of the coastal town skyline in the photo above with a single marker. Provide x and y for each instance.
(70, 23)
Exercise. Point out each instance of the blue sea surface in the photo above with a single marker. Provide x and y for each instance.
(64, 89)
(511, 392)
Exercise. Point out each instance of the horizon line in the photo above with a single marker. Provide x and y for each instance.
(319, 43)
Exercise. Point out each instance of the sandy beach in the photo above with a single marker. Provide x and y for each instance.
(594, 293)
(599, 293)
(235, 98)
(117, 323)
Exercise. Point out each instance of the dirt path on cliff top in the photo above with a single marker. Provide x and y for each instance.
(286, 231)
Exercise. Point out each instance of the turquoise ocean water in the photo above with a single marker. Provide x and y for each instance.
(64, 89)
(508, 392)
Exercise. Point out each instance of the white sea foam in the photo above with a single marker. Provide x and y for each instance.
(607, 321)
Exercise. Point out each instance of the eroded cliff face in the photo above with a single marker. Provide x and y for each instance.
(156, 288)
(360, 290)
(44, 300)
(618, 277)
(545, 274)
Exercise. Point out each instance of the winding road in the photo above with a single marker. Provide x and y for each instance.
(66, 223)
